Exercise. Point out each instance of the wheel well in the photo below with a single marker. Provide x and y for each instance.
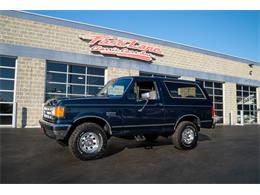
(192, 118)
(102, 123)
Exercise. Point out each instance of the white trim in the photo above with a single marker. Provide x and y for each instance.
(7, 67)
(3, 114)
(7, 79)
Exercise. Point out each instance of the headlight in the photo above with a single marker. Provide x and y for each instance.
(58, 111)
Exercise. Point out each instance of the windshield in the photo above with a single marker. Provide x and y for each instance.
(115, 87)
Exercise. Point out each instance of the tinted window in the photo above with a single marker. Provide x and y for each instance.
(95, 80)
(6, 96)
(51, 66)
(5, 61)
(77, 69)
(75, 89)
(56, 88)
(93, 90)
(6, 108)
(95, 71)
(6, 85)
(5, 120)
(76, 79)
(56, 77)
(184, 90)
(7, 73)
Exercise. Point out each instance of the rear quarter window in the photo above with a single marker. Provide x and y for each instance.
(184, 90)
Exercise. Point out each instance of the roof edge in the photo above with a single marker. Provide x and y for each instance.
(115, 32)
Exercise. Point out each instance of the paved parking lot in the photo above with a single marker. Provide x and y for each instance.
(223, 155)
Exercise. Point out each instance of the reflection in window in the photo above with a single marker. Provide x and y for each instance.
(215, 92)
(246, 104)
(7, 79)
(184, 90)
(66, 80)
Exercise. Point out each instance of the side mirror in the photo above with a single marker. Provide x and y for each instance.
(145, 96)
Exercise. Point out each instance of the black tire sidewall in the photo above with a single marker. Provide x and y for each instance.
(181, 127)
(79, 131)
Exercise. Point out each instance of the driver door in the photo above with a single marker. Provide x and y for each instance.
(142, 113)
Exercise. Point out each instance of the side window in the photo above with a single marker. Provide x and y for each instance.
(144, 90)
(184, 90)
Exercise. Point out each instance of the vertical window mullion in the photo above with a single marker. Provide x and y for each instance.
(86, 80)
(67, 80)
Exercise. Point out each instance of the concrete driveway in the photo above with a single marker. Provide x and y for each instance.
(223, 155)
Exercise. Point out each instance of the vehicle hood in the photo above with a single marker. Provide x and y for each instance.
(81, 100)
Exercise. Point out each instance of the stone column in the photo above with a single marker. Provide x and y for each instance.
(113, 72)
(30, 90)
(229, 103)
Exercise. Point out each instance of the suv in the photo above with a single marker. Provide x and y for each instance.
(130, 107)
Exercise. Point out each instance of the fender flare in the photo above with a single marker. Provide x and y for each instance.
(98, 117)
(186, 115)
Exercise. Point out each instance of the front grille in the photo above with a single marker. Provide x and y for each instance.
(47, 113)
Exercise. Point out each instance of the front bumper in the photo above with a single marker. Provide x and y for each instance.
(55, 131)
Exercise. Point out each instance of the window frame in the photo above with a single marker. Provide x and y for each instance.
(67, 83)
(195, 84)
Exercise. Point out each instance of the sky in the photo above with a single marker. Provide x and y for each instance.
(235, 33)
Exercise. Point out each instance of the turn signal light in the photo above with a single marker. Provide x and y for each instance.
(58, 111)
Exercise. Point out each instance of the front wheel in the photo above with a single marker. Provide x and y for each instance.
(185, 136)
(88, 141)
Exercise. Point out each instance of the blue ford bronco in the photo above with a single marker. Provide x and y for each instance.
(129, 107)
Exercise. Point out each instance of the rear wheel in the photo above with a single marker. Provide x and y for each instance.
(88, 141)
(185, 136)
(150, 138)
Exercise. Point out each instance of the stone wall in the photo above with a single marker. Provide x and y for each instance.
(42, 35)
(30, 85)
(229, 103)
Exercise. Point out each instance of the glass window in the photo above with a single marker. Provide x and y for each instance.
(52, 66)
(208, 84)
(56, 88)
(96, 71)
(75, 82)
(6, 96)
(7, 73)
(5, 120)
(215, 91)
(115, 87)
(76, 89)
(246, 104)
(6, 85)
(7, 61)
(95, 80)
(6, 108)
(76, 79)
(184, 90)
(56, 77)
(77, 69)
(93, 90)
(217, 85)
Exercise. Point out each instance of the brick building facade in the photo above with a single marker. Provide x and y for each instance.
(44, 57)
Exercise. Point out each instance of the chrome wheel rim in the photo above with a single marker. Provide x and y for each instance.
(89, 142)
(188, 135)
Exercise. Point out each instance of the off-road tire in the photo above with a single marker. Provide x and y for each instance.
(177, 135)
(75, 138)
